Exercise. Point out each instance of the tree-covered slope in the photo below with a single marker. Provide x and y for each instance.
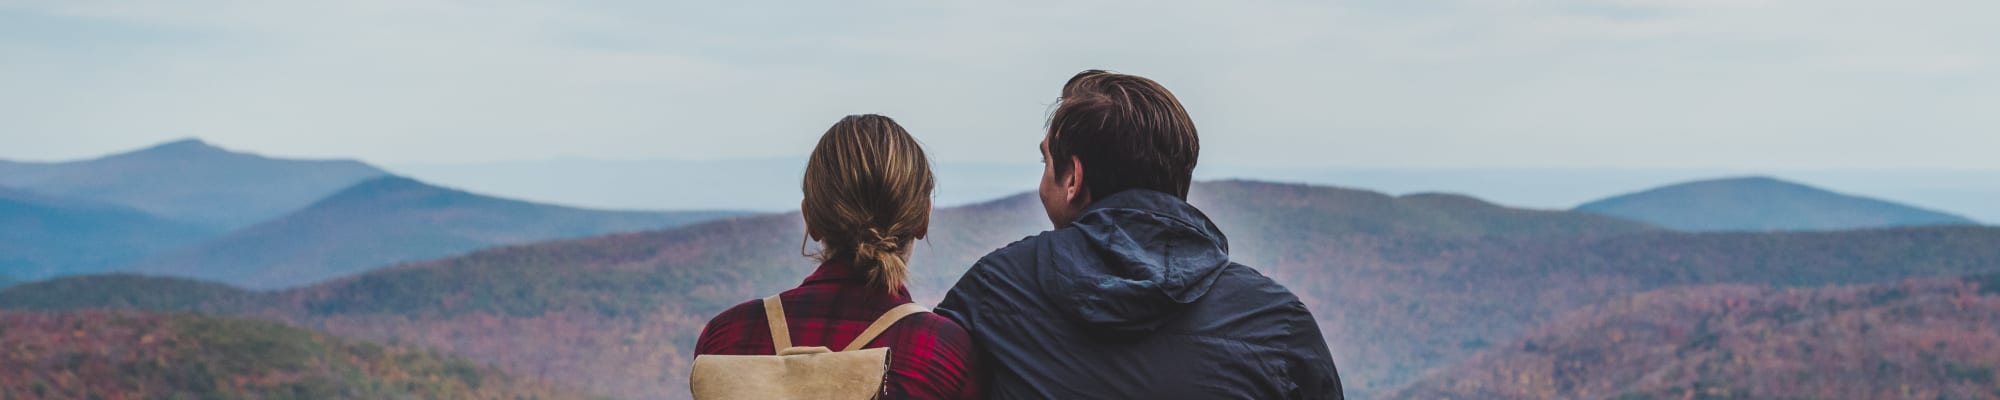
(1931, 338)
(132, 355)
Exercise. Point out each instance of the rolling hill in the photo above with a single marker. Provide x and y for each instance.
(1927, 338)
(43, 236)
(389, 220)
(1762, 204)
(1402, 285)
(130, 292)
(189, 180)
(128, 355)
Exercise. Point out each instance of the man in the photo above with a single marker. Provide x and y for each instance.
(1132, 296)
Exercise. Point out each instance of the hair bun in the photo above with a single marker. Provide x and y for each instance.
(881, 245)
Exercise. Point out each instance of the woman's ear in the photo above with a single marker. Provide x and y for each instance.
(814, 234)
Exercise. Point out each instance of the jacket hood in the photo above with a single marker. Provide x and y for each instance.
(1142, 258)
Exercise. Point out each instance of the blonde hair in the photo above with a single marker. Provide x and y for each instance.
(868, 196)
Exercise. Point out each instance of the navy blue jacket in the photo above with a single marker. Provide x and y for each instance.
(1137, 300)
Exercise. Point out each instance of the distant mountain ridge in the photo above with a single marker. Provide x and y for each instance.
(1762, 204)
(190, 180)
(762, 183)
(43, 236)
(388, 220)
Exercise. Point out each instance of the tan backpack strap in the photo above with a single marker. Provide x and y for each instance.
(882, 324)
(781, 332)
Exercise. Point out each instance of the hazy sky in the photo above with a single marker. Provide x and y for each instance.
(1379, 83)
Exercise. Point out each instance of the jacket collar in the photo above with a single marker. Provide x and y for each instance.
(1164, 205)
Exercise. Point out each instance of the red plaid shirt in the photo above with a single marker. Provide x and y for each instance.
(930, 357)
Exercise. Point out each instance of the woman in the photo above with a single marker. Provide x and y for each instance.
(867, 197)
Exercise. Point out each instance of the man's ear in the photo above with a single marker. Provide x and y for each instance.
(1073, 188)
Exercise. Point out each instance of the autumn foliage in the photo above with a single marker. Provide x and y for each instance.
(132, 355)
(1931, 338)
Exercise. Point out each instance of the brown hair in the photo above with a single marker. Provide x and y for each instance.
(868, 196)
(1129, 132)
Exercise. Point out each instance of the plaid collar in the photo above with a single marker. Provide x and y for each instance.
(839, 274)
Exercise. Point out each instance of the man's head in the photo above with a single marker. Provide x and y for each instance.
(1111, 133)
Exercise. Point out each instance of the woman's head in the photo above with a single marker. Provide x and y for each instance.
(868, 196)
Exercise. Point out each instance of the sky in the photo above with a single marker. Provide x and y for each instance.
(1361, 84)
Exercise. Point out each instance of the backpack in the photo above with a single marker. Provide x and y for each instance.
(800, 372)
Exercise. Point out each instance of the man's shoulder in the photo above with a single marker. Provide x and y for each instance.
(1248, 289)
(1004, 273)
(1020, 252)
(1025, 246)
(1242, 280)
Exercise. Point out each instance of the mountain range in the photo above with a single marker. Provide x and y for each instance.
(43, 236)
(187, 208)
(1403, 286)
(763, 184)
(1762, 204)
(191, 181)
(769, 184)
(384, 221)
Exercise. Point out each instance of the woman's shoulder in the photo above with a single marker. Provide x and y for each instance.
(934, 360)
(729, 331)
(752, 310)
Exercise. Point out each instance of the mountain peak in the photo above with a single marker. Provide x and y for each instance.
(182, 146)
(186, 141)
(1762, 203)
(192, 180)
(384, 187)
(1750, 180)
(391, 182)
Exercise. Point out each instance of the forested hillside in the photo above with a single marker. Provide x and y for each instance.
(132, 355)
(1930, 338)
